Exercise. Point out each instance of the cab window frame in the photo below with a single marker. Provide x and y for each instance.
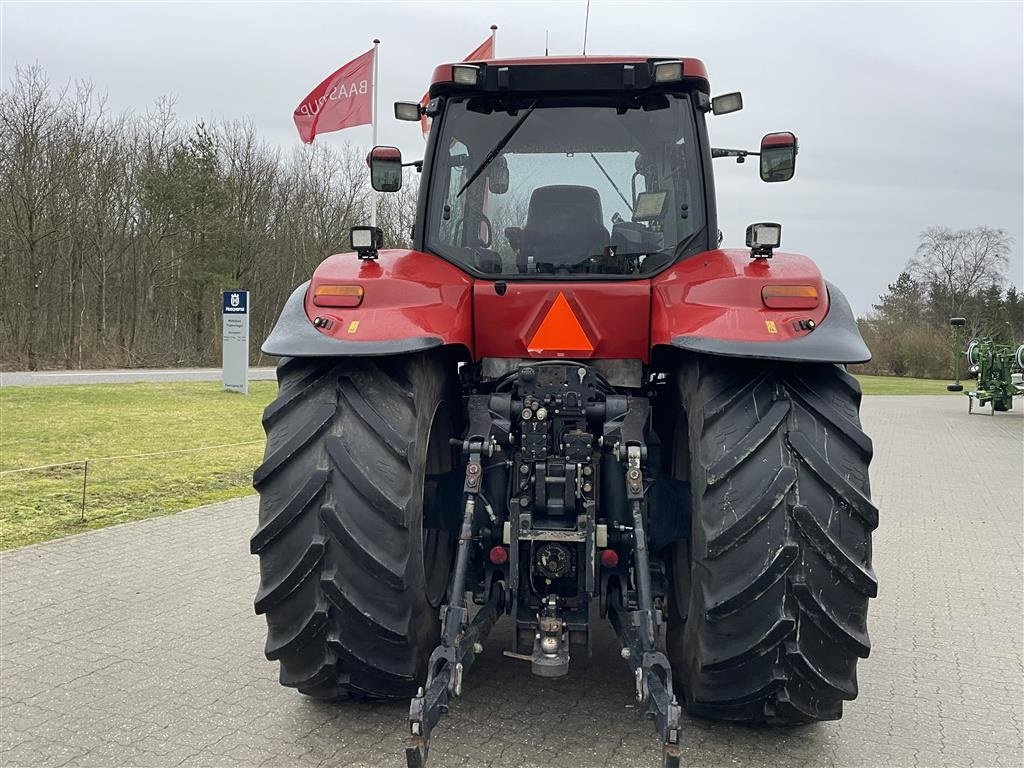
(703, 238)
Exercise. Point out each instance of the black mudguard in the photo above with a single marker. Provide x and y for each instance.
(295, 336)
(837, 339)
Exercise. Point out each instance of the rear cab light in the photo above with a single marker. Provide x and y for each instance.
(777, 296)
(327, 295)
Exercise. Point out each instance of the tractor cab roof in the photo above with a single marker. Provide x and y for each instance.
(570, 73)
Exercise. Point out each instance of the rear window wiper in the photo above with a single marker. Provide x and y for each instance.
(497, 148)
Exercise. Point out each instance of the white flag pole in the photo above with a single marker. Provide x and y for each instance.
(494, 41)
(373, 123)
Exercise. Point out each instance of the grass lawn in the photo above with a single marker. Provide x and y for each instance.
(46, 425)
(894, 385)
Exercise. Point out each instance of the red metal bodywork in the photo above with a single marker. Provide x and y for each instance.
(715, 294)
(614, 315)
(405, 294)
(693, 69)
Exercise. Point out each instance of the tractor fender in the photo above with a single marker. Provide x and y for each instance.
(411, 302)
(712, 303)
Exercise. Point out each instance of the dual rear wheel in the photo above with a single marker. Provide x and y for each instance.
(768, 617)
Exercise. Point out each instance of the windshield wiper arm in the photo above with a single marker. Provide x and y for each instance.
(611, 181)
(497, 148)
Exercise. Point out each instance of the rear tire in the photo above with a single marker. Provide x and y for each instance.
(351, 607)
(780, 551)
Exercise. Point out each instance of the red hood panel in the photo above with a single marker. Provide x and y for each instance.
(406, 294)
(717, 294)
(583, 320)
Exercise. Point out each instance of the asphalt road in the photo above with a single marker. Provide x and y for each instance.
(119, 376)
(137, 645)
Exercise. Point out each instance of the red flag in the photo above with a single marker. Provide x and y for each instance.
(343, 100)
(483, 51)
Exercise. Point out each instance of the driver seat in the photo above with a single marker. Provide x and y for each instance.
(563, 226)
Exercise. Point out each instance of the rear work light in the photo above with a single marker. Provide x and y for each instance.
(789, 296)
(668, 71)
(338, 295)
(465, 74)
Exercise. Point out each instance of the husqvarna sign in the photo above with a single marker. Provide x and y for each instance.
(235, 354)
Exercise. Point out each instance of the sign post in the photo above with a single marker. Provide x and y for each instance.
(235, 352)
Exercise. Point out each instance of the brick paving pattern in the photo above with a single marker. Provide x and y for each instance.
(137, 645)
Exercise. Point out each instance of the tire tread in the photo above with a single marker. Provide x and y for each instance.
(339, 487)
(781, 570)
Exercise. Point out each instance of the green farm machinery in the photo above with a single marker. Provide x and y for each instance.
(999, 369)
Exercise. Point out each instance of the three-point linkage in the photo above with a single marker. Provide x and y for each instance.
(556, 526)
(461, 639)
(638, 628)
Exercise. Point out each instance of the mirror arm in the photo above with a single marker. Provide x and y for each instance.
(417, 163)
(738, 153)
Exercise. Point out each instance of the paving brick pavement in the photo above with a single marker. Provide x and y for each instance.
(137, 645)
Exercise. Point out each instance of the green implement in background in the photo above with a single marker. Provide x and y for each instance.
(998, 368)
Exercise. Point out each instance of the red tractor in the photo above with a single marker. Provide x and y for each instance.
(567, 403)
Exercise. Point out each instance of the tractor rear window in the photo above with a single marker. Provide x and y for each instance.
(566, 186)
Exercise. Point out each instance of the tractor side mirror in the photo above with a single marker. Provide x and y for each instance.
(778, 156)
(957, 322)
(385, 168)
(497, 176)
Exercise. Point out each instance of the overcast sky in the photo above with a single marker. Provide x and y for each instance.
(908, 115)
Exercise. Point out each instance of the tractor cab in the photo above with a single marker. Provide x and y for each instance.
(569, 168)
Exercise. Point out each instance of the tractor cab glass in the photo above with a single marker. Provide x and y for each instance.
(566, 186)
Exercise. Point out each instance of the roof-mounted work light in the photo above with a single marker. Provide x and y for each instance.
(465, 74)
(668, 71)
(408, 110)
(726, 103)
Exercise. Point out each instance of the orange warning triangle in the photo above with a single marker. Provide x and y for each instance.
(560, 330)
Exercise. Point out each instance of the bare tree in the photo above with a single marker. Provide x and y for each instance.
(961, 262)
(118, 232)
(30, 183)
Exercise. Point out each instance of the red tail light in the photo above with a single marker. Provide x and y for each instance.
(609, 558)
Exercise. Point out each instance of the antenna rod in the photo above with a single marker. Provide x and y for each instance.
(545, 42)
(373, 121)
(586, 28)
